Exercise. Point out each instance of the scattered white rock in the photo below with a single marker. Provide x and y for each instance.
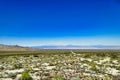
(36, 69)
(69, 70)
(115, 61)
(50, 67)
(107, 59)
(35, 77)
(14, 71)
(112, 71)
(75, 78)
(45, 64)
(6, 79)
(18, 77)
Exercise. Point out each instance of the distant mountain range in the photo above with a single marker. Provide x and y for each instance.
(20, 48)
(14, 48)
(76, 47)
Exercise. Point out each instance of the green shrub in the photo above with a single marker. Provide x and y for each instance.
(58, 77)
(17, 65)
(25, 76)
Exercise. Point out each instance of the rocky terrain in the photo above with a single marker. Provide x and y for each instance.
(69, 66)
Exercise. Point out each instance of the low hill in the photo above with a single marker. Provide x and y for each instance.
(14, 48)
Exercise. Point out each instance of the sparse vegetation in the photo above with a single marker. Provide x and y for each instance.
(60, 65)
(25, 76)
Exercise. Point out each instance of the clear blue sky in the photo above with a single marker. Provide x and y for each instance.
(46, 22)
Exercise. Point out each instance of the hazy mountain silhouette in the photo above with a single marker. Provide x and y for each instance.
(76, 47)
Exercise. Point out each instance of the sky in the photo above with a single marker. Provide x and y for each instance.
(60, 22)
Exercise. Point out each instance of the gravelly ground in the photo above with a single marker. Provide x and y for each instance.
(60, 67)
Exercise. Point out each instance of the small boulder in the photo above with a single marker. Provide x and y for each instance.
(75, 78)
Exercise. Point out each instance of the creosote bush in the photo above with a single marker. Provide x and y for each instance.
(58, 77)
(26, 76)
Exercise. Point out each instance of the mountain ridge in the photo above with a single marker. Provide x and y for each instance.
(4, 47)
(77, 47)
(21, 48)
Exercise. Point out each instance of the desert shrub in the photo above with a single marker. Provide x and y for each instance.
(114, 56)
(25, 76)
(86, 55)
(58, 77)
(93, 66)
(17, 65)
(1, 76)
(1, 68)
(116, 77)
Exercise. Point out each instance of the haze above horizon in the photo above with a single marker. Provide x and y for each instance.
(60, 22)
